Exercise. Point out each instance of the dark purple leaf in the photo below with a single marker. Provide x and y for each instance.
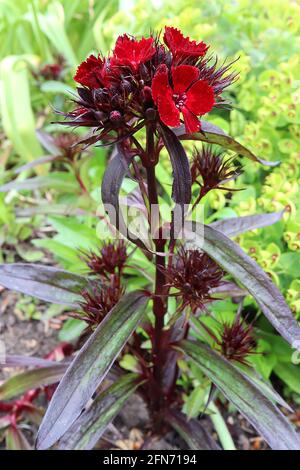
(236, 225)
(91, 424)
(212, 134)
(228, 289)
(34, 163)
(25, 361)
(258, 409)
(90, 367)
(48, 142)
(30, 379)
(182, 181)
(43, 282)
(191, 431)
(243, 268)
(116, 171)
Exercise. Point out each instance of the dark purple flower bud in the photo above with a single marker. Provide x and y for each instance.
(115, 117)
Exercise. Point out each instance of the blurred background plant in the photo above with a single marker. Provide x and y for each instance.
(52, 207)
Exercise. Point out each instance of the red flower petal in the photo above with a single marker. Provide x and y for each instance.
(168, 112)
(160, 82)
(91, 73)
(182, 47)
(162, 95)
(192, 123)
(183, 76)
(200, 98)
(132, 53)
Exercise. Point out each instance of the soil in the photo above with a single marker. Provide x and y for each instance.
(130, 429)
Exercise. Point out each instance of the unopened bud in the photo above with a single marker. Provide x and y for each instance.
(115, 116)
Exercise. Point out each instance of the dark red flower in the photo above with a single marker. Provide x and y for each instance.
(92, 72)
(193, 274)
(181, 47)
(98, 301)
(188, 95)
(132, 53)
(111, 257)
(51, 71)
(235, 341)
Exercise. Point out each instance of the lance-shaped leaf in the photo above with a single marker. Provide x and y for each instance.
(237, 225)
(90, 367)
(30, 379)
(182, 181)
(48, 142)
(264, 416)
(12, 360)
(43, 282)
(191, 431)
(113, 177)
(34, 163)
(235, 262)
(89, 427)
(15, 439)
(228, 289)
(212, 134)
(56, 179)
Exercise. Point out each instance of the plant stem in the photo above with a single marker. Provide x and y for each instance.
(159, 304)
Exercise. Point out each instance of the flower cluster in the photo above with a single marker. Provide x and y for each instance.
(236, 340)
(193, 274)
(99, 298)
(145, 80)
(111, 258)
(98, 301)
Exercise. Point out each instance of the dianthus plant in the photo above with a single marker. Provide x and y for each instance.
(146, 99)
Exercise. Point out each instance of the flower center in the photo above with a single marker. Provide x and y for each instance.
(179, 99)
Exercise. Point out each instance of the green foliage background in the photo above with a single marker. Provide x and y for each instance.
(263, 34)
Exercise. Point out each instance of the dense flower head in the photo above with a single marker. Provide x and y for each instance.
(111, 258)
(98, 300)
(167, 82)
(210, 169)
(235, 340)
(193, 274)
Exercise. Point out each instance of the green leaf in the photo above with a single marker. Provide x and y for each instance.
(89, 427)
(75, 234)
(59, 180)
(43, 282)
(90, 367)
(34, 378)
(16, 112)
(71, 330)
(290, 375)
(15, 439)
(264, 416)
